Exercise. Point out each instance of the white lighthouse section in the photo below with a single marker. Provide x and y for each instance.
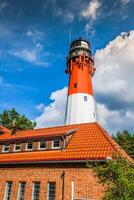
(80, 109)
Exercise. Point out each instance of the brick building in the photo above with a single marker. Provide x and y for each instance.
(50, 163)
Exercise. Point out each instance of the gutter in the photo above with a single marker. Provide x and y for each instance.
(56, 161)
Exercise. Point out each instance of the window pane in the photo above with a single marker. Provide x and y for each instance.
(36, 191)
(21, 191)
(42, 144)
(85, 98)
(29, 145)
(75, 85)
(17, 147)
(8, 190)
(51, 191)
(56, 143)
(5, 147)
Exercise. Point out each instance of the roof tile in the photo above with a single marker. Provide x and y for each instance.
(90, 142)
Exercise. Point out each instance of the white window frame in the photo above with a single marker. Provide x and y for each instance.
(27, 146)
(20, 190)
(7, 190)
(39, 148)
(15, 147)
(48, 189)
(4, 147)
(33, 190)
(53, 147)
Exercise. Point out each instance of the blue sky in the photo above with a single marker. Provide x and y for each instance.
(34, 42)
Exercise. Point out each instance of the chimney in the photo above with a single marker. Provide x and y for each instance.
(14, 127)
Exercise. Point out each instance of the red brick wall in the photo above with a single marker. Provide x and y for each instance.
(1, 147)
(86, 185)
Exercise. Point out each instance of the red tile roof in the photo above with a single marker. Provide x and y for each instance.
(5, 130)
(89, 142)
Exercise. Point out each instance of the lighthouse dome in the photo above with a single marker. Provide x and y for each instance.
(80, 43)
(79, 47)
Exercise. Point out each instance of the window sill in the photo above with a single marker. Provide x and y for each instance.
(56, 147)
(5, 151)
(41, 149)
(16, 150)
(29, 149)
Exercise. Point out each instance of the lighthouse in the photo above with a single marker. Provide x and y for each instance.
(80, 106)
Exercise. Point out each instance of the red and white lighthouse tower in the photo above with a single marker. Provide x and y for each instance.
(80, 67)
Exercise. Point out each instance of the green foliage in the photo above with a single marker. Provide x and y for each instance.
(126, 141)
(118, 174)
(10, 118)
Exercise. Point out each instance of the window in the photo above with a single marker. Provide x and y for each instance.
(56, 143)
(21, 191)
(8, 190)
(42, 144)
(29, 146)
(51, 191)
(85, 98)
(17, 147)
(36, 191)
(5, 148)
(94, 114)
(75, 85)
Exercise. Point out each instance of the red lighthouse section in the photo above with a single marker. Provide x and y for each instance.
(80, 71)
(80, 68)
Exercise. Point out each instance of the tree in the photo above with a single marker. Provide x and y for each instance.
(11, 118)
(118, 175)
(126, 141)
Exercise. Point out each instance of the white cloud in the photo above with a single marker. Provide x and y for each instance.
(35, 35)
(35, 54)
(53, 114)
(113, 86)
(115, 69)
(89, 28)
(115, 120)
(31, 55)
(113, 83)
(40, 107)
(27, 55)
(91, 10)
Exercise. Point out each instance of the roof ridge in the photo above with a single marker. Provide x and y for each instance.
(61, 126)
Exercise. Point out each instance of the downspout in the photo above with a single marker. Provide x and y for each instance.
(72, 190)
(63, 184)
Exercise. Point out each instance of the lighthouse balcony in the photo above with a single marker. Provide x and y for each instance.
(79, 52)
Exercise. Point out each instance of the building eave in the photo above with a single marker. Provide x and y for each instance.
(53, 162)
